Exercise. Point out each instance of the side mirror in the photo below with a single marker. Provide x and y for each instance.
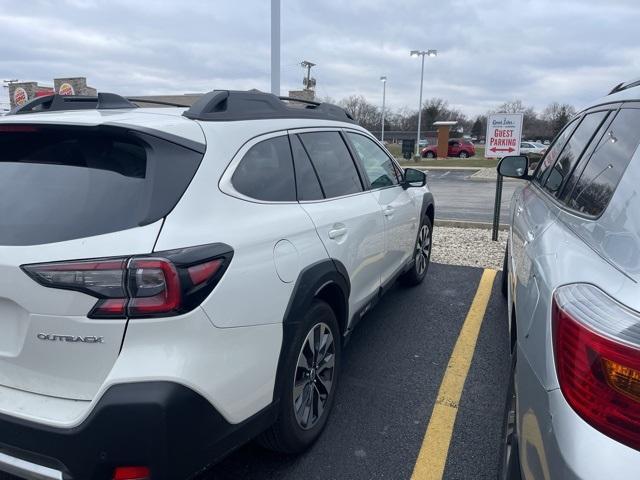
(514, 166)
(414, 178)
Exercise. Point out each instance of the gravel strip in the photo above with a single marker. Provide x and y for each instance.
(470, 247)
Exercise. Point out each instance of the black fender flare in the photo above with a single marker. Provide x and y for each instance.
(310, 282)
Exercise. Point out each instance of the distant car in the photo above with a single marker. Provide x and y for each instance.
(532, 147)
(458, 147)
(546, 142)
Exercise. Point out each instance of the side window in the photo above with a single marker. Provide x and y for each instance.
(307, 181)
(572, 151)
(602, 173)
(552, 154)
(266, 172)
(377, 164)
(332, 160)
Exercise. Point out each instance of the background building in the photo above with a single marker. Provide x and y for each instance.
(23, 92)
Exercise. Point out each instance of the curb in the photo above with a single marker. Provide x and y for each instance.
(469, 224)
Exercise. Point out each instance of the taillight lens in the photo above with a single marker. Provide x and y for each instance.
(597, 354)
(170, 283)
(132, 473)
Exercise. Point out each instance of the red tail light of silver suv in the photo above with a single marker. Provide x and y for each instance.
(597, 354)
(165, 284)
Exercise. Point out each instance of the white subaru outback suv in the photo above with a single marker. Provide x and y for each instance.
(176, 282)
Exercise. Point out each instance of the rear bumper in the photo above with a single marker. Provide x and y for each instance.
(161, 425)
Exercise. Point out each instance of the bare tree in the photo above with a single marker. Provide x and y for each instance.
(557, 115)
(365, 113)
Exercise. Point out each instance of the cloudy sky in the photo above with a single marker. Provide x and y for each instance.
(490, 51)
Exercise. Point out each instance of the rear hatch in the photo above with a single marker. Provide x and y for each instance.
(70, 193)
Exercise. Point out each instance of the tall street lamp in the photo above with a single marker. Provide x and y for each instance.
(383, 79)
(421, 53)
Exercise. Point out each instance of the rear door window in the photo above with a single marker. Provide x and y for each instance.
(608, 162)
(332, 160)
(572, 151)
(63, 183)
(266, 172)
(307, 183)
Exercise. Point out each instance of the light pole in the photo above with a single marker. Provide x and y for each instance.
(275, 47)
(383, 79)
(421, 53)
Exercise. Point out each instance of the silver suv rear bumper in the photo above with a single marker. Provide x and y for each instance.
(27, 470)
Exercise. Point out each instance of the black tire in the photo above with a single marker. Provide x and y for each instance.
(504, 281)
(288, 434)
(463, 154)
(418, 271)
(430, 155)
(509, 466)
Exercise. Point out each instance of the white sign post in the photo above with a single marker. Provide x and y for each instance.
(504, 132)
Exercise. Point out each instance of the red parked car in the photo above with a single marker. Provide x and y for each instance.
(458, 147)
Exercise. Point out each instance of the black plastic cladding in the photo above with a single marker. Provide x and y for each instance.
(229, 105)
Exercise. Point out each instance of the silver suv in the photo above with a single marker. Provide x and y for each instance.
(572, 269)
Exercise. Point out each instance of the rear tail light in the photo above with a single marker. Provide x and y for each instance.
(131, 473)
(597, 353)
(169, 283)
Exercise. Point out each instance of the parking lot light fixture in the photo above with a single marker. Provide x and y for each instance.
(383, 79)
(421, 53)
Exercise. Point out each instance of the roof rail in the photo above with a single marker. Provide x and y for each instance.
(230, 105)
(59, 103)
(625, 85)
(156, 102)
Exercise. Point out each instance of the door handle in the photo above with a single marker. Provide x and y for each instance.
(388, 211)
(337, 232)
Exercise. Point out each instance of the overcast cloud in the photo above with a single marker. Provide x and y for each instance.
(490, 51)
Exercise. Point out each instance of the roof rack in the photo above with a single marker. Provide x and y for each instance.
(59, 103)
(229, 105)
(624, 86)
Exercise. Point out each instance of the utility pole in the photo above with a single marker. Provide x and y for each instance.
(275, 47)
(383, 79)
(421, 53)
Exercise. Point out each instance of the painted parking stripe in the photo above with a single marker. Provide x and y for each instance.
(435, 445)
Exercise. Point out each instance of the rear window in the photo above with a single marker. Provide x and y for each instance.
(63, 183)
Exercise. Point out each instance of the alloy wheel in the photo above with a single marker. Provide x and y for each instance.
(423, 249)
(314, 376)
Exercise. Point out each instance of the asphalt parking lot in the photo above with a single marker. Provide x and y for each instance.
(459, 198)
(392, 388)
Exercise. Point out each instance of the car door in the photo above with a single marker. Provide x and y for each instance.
(348, 218)
(398, 206)
(454, 148)
(532, 215)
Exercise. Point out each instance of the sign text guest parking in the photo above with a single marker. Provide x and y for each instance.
(503, 135)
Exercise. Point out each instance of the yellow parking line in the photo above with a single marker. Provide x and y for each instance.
(435, 446)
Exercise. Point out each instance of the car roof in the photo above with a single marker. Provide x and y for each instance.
(162, 119)
(627, 94)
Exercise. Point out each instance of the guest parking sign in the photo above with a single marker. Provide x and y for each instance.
(504, 131)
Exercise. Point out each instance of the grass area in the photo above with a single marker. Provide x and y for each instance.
(473, 162)
(477, 161)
